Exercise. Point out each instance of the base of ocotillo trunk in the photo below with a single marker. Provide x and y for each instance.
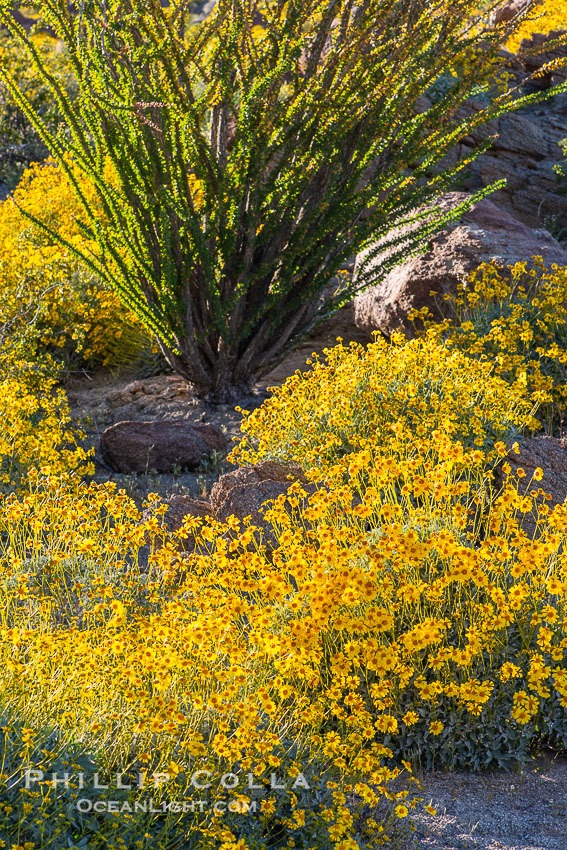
(239, 394)
(221, 388)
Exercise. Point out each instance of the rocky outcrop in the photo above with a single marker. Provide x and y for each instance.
(526, 145)
(516, 223)
(159, 446)
(485, 233)
(525, 152)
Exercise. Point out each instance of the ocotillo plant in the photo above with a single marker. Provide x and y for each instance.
(239, 161)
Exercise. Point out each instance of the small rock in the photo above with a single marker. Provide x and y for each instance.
(162, 446)
(134, 387)
(548, 453)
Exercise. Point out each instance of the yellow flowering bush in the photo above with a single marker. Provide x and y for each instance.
(36, 433)
(401, 614)
(74, 314)
(361, 397)
(548, 16)
(515, 321)
(164, 675)
(397, 617)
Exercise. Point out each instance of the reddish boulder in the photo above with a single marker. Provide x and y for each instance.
(242, 493)
(507, 11)
(160, 446)
(178, 508)
(485, 233)
(550, 455)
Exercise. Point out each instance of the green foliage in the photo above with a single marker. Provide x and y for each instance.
(237, 163)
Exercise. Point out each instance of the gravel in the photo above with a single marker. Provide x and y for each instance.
(496, 811)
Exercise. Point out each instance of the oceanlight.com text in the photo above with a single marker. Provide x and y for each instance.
(151, 806)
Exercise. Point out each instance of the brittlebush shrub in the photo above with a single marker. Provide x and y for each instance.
(550, 15)
(361, 397)
(220, 673)
(78, 320)
(36, 432)
(390, 617)
(514, 319)
(401, 611)
(398, 613)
